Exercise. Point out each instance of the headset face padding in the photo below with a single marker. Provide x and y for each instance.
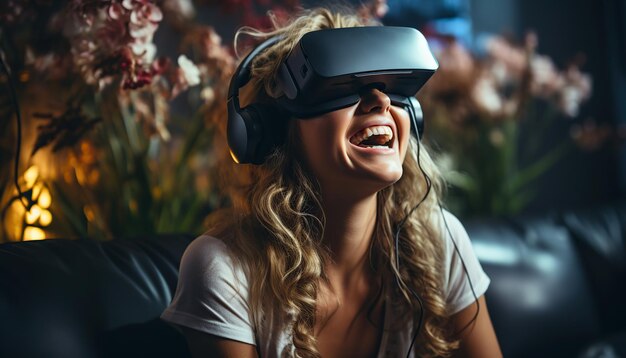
(413, 108)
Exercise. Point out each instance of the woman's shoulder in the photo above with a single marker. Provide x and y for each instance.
(447, 222)
(464, 278)
(452, 233)
(208, 242)
(211, 293)
(208, 246)
(210, 254)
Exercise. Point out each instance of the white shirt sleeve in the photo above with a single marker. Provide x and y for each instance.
(460, 288)
(212, 293)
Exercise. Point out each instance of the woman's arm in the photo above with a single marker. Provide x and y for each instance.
(202, 345)
(478, 339)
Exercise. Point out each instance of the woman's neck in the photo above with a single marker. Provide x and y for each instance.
(350, 224)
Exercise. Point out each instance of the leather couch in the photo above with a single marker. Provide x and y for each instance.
(558, 284)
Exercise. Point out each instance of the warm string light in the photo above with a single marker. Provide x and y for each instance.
(28, 221)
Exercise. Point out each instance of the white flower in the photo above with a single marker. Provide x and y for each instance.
(571, 97)
(142, 30)
(486, 96)
(500, 73)
(544, 74)
(144, 51)
(190, 71)
(207, 94)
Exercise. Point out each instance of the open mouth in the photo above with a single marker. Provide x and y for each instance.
(373, 137)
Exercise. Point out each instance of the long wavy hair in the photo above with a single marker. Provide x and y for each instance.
(276, 223)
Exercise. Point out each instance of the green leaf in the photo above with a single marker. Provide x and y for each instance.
(67, 206)
(532, 172)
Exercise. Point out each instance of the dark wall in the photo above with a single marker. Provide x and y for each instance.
(568, 29)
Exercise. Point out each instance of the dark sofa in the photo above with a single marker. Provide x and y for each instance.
(557, 290)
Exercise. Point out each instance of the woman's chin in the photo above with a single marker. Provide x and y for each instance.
(381, 176)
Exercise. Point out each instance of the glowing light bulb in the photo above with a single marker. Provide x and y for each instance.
(44, 200)
(37, 189)
(45, 218)
(31, 175)
(34, 233)
(33, 214)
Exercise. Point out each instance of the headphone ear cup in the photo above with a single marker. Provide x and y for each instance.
(238, 133)
(268, 130)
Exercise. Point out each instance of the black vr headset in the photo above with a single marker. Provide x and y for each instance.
(325, 72)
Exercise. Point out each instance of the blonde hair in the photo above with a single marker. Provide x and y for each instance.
(276, 221)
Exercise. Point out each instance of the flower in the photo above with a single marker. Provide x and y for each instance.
(190, 72)
(373, 9)
(214, 60)
(114, 41)
(480, 108)
(486, 97)
(576, 88)
(144, 20)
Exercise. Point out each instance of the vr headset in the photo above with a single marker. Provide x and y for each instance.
(326, 71)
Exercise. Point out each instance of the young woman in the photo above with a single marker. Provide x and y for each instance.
(307, 262)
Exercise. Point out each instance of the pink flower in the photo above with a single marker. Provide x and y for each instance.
(142, 30)
(373, 9)
(115, 40)
(486, 97)
(116, 11)
(514, 59)
(545, 79)
(144, 20)
(128, 4)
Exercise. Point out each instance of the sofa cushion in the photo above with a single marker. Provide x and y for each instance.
(539, 299)
(600, 237)
(74, 298)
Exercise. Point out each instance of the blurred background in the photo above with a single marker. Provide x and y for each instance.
(119, 102)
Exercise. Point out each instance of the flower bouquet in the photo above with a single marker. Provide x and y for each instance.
(493, 117)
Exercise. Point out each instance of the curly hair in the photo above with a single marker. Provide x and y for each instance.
(276, 221)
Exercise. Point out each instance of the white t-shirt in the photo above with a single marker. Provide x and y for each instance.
(212, 296)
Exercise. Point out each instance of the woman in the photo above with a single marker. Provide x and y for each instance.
(308, 263)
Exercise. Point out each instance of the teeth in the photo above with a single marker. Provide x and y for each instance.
(371, 131)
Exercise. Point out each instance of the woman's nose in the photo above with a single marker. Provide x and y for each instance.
(374, 100)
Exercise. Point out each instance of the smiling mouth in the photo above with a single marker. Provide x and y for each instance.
(373, 137)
